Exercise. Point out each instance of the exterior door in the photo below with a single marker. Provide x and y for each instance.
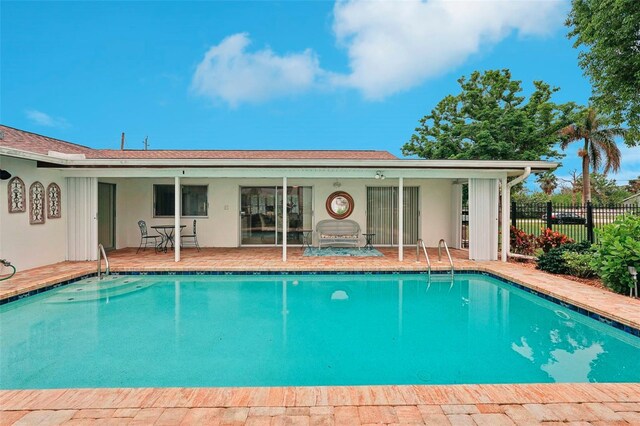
(261, 214)
(107, 215)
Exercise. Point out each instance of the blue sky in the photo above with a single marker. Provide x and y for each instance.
(268, 75)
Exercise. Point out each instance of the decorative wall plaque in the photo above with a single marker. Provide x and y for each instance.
(54, 201)
(17, 196)
(36, 203)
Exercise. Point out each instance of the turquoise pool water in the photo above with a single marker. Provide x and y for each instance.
(275, 330)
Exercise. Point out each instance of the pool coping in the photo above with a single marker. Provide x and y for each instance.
(585, 309)
(442, 404)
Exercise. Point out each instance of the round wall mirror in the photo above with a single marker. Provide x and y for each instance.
(339, 205)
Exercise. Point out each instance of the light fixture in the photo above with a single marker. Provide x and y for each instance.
(634, 275)
(379, 175)
(337, 184)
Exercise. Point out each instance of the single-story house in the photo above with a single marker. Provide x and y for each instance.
(63, 198)
(633, 200)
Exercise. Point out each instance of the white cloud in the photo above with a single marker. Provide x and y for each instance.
(230, 73)
(43, 119)
(393, 46)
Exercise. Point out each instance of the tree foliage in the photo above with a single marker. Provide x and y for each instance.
(548, 182)
(608, 33)
(491, 120)
(599, 145)
(634, 185)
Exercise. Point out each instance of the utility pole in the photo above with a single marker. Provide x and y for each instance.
(146, 143)
(122, 142)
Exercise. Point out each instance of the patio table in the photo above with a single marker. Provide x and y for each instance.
(166, 232)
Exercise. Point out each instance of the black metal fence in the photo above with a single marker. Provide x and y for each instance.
(574, 220)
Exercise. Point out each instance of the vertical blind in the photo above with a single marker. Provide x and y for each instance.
(382, 214)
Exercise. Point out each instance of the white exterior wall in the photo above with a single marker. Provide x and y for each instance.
(134, 201)
(25, 245)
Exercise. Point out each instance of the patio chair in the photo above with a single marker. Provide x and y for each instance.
(145, 237)
(193, 236)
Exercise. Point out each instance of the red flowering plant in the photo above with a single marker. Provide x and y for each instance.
(523, 243)
(549, 239)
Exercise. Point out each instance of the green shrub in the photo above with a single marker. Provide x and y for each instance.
(578, 264)
(618, 249)
(552, 261)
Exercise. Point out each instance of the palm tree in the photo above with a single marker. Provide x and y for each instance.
(599, 145)
(548, 182)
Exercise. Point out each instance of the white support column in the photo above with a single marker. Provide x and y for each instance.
(284, 219)
(506, 229)
(400, 219)
(178, 211)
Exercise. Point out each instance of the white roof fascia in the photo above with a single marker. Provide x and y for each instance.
(18, 153)
(276, 172)
(66, 156)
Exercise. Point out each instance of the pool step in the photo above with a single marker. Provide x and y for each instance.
(93, 289)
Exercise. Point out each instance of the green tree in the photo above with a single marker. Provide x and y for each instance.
(606, 191)
(490, 120)
(548, 182)
(608, 33)
(634, 185)
(599, 145)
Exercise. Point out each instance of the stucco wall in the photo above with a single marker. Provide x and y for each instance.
(25, 245)
(134, 201)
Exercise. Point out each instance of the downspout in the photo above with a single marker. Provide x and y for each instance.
(506, 203)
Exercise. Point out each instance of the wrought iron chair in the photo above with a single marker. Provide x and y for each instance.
(145, 237)
(193, 236)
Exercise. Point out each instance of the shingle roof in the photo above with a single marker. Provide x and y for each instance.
(35, 143)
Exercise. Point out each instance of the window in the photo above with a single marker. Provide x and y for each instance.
(194, 200)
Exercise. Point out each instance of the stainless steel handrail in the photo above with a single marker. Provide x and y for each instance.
(101, 254)
(419, 243)
(442, 241)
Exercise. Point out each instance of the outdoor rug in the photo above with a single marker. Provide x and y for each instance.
(342, 251)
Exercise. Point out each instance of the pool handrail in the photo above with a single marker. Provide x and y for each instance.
(419, 243)
(440, 243)
(101, 254)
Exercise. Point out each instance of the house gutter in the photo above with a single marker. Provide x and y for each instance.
(506, 202)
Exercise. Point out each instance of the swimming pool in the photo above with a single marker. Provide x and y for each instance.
(286, 330)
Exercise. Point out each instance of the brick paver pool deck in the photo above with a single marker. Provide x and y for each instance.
(582, 403)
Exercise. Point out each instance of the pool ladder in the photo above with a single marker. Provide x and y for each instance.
(101, 254)
(440, 244)
(420, 243)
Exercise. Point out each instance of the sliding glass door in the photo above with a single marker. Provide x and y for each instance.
(261, 214)
(382, 214)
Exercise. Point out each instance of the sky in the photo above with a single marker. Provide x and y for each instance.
(270, 75)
